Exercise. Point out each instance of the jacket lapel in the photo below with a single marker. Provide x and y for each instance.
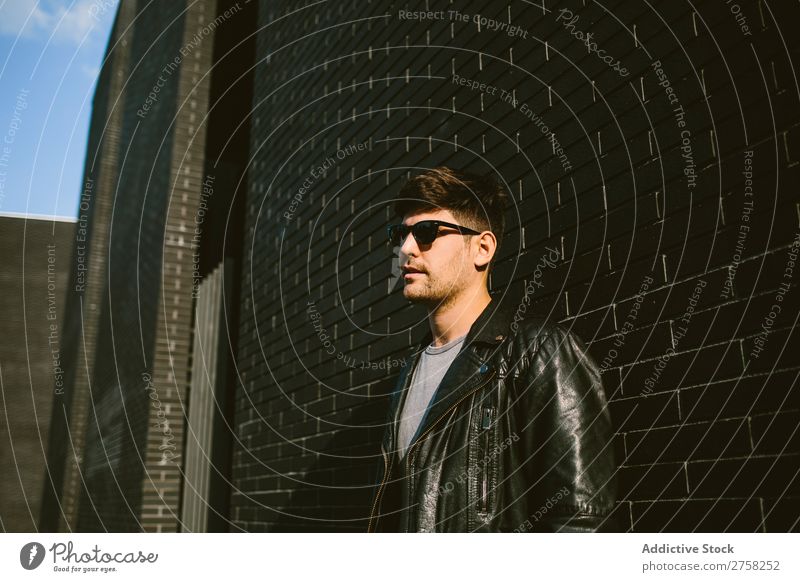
(469, 369)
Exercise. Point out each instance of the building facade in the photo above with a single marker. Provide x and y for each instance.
(33, 284)
(119, 438)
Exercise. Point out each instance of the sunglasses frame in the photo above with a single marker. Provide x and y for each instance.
(405, 230)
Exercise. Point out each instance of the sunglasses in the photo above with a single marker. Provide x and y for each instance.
(424, 231)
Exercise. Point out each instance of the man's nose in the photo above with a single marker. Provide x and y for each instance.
(409, 245)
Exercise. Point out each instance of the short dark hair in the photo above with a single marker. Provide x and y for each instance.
(477, 202)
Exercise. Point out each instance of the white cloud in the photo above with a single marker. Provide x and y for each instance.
(91, 72)
(68, 21)
(21, 17)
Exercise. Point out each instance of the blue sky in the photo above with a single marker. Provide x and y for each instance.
(50, 55)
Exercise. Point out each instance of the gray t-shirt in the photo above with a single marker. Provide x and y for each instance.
(431, 368)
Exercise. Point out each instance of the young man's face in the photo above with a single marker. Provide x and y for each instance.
(446, 268)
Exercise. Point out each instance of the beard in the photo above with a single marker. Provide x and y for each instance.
(432, 291)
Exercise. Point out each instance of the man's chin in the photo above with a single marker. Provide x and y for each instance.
(415, 295)
(418, 295)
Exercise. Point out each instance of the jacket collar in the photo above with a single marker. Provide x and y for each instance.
(469, 370)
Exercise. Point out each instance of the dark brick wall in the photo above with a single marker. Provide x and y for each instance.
(86, 288)
(33, 285)
(117, 433)
(706, 432)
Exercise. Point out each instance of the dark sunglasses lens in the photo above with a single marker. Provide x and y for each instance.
(397, 233)
(425, 232)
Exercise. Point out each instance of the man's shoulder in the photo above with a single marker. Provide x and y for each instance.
(542, 338)
(539, 329)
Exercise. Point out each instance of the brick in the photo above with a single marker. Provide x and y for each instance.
(778, 350)
(740, 397)
(782, 515)
(688, 368)
(635, 345)
(644, 412)
(647, 482)
(776, 433)
(688, 442)
(750, 477)
(696, 515)
(620, 517)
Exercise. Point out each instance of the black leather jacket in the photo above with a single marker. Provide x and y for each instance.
(517, 439)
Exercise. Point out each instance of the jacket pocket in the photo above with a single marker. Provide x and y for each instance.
(485, 458)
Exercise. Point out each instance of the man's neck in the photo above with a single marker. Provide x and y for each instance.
(452, 320)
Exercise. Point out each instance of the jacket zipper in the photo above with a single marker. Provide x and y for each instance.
(387, 464)
(486, 422)
(412, 450)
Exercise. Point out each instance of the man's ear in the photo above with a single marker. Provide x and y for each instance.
(485, 247)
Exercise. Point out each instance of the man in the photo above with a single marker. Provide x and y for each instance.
(495, 425)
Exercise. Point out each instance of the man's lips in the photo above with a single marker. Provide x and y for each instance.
(410, 272)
